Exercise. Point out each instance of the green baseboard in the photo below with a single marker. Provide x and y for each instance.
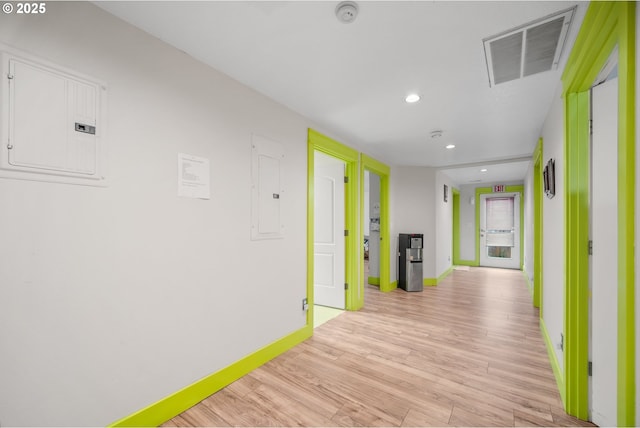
(555, 365)
(472, 263)
(392, 286)
(430, 282)
(176, 403)
(529, 284)
(373, 280)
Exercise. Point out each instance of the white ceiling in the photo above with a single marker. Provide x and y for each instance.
(351, 79)
(496, 172)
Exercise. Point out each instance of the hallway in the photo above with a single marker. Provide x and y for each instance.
(467, 352)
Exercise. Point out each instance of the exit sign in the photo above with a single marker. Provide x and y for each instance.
(498, 188)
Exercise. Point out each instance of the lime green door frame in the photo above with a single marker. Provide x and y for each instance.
(383, 171)
(605, 25)
(508, 189)
(537, 226)
(456, 226)
(321, 143)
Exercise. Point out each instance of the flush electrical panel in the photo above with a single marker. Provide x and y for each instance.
(52, 122)
(267, 191)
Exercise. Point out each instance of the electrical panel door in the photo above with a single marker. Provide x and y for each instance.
(52, 122)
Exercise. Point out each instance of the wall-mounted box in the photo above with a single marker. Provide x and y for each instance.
(267, 189)
(52, 122)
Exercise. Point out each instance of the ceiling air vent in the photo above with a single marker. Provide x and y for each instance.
(529, 49)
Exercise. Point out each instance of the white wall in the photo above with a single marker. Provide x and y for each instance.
(553, 247)
(528, 224)
(113, 298)
(444, 224)
(412, 211)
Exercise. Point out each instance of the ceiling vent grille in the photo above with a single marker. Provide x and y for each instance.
(529, 49)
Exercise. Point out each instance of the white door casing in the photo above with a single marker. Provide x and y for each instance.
(329, 225)
(503, 237)
(604, 259)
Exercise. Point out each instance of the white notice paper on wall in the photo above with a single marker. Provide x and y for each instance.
(193, 177)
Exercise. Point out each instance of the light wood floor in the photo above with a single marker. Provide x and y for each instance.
(465, 353)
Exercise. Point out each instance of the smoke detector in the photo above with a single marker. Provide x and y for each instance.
(347, 11)
(436, 134)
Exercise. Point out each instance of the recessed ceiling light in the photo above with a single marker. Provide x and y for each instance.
(483, 170)
(450, 146)
(412, 98)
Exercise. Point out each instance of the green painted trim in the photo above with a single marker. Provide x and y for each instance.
(176, 403)
(529, 284)
(383, 171)
(508, 189)
(538, 233)
(310, 231)
(553, 359)
(456, 226)
(445, 274)
(354, 298)
(393, 285)
(576, 178)
(373, 280)
(471, 263)
(605, 25)
(430, 282)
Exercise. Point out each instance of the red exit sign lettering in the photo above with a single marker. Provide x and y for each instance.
(498, 188)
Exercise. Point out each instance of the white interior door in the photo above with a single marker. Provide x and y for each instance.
(500, 230)
(604, 259)
(329, 245)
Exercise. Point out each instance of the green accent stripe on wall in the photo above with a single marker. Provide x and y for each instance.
(373, 280)
(176, 403)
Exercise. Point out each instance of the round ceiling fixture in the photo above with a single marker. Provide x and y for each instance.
(450, 146)
(347, 11)
(412, 98)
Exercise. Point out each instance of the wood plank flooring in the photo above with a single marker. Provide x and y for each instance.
(465, 353)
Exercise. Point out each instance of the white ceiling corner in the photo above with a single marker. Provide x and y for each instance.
(351, 79)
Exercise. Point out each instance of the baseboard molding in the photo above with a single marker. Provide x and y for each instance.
(431, 282)
(553, 359)
(176, 403)
(373, 280)
(392, 286)
(471, 263)
(529, 284)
